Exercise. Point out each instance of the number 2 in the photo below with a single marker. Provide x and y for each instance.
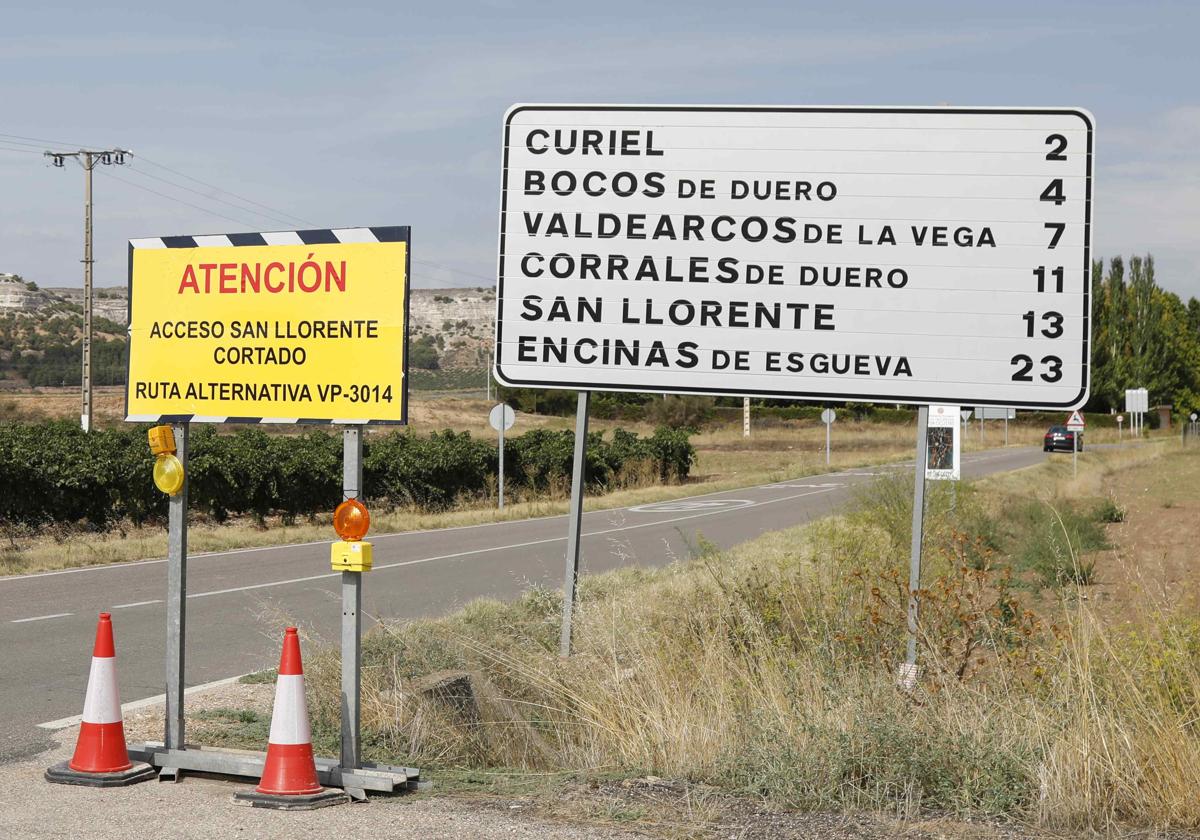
(1059, 143)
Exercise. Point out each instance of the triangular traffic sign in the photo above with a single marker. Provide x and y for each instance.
(1076, 419)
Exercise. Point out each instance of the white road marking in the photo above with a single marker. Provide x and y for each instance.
(40, 618)
(134, 705)
(592, 513)
(136, 604)
(455, 556)
(688, 505)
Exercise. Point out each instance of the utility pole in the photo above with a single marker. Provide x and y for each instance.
(88, 159)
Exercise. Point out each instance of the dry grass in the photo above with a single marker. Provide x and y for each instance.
(770, 670)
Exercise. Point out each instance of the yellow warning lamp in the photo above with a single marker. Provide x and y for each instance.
(168, 470)
(350, 554)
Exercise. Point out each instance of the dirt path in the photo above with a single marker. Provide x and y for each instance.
(1155, 559)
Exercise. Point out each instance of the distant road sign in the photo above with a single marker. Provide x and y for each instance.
(903, 255)
(942, 459)
(965, 414)
(996, 413)
(502, 413)
(828, 416)
(279, 327)
(1193, 415)
(1137, 400)
(1075, 422)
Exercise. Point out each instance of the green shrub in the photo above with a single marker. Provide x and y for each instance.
(52, 472)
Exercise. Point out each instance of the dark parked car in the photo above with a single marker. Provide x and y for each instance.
(1060, 438)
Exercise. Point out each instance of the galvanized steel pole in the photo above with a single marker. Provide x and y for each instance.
(352, 479)
(918, 534)
(574, 520)
(173, 737)
(500, 470)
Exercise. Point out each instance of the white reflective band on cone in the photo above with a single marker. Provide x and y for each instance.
(102, 703)
(289, 717)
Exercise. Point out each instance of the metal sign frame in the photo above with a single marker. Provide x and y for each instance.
(560, 114)
(172, 756)
(317, 237)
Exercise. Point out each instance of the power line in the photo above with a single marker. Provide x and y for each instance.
(275, 218)
(136, 186)
(25, 151)
(41, 141)
(209, 197)
(227, 192)
(8, 142)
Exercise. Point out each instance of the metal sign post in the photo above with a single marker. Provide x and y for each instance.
(1120, 421)
(351, 758)
(173, 737)
(1075, 426)
(501, 418)
(574, 520)
(827, 417)
(908, 673)
(745, 417)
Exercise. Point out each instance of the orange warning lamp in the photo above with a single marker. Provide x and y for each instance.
(351, 521)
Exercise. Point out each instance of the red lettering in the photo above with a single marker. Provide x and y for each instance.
(250, 278)
(189, 280)
(228, 277)
(278, 287)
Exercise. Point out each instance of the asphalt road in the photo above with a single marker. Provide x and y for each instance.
(239, 600)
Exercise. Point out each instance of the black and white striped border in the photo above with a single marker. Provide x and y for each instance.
(327, 236)
(320, 236)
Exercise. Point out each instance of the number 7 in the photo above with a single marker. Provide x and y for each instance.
(1058, 228)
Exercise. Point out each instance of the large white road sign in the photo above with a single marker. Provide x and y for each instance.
(920, 255)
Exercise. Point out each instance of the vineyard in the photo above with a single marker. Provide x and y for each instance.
(53, 473)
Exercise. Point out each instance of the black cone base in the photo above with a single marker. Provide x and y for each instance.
(298, 802)
(62, 774)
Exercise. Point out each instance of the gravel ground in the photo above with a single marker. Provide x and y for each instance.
(199, 807)
(203, 809)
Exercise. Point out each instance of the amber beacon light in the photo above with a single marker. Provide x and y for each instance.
(350, 554)
(168, 470)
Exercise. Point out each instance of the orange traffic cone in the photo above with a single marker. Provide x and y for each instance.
(101, 759)
(289, 779)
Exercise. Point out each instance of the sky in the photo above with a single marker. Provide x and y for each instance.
(285, 115)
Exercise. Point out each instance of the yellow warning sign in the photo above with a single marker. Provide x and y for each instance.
(284, 327)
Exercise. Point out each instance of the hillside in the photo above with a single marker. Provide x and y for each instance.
(40, 330)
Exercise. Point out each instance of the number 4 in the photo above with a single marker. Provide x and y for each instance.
(1054, 192)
